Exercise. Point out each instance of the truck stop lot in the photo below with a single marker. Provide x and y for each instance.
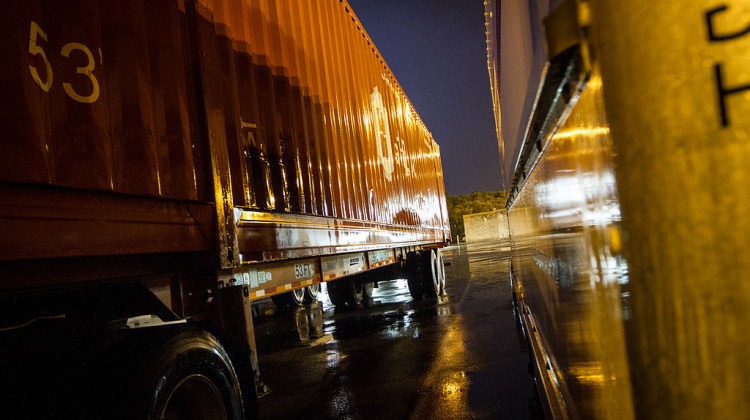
(461, 357)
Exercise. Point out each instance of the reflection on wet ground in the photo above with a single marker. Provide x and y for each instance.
(459, 357)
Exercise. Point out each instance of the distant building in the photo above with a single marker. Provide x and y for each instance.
(487, 226)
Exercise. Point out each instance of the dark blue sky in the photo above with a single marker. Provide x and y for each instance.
(437, 50)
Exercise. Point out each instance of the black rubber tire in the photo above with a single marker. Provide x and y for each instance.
(355, 292)
(442, 273)
(367, 289)
(311, 293)
(414, 271)
(345, 292)
(178, 373)
(291, 299)
(336, 293)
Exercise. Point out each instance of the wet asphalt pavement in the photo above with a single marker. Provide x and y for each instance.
(461, 357)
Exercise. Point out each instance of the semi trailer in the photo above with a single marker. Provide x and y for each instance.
(164, 163)
(624, 133)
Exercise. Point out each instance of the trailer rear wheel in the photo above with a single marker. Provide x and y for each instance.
(367, 292)
(345, 292)
(441, 266)
(311, 293)
(414, 272)
(336, 293)
(291, 299)
(434, 274)
(425, 274)
(180, 373)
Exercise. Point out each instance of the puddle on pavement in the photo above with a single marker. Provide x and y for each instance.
(391, 314)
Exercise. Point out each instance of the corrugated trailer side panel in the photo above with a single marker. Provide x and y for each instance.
(299, 155)
(378, 169)
(329, 56)
(96, 96)
(442, 199)
(373, 172)
(346, 78)
(333, 56)
(378, 124)
(237, 87)
(279, 106)
(315, 52)
(285, 115)
(333, 90)
(308, 78)
(99, 97)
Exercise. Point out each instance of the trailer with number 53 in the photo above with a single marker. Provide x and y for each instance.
(163, 163)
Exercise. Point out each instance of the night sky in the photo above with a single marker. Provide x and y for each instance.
(437, 50)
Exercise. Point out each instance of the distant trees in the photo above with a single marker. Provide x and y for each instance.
(476, 202)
